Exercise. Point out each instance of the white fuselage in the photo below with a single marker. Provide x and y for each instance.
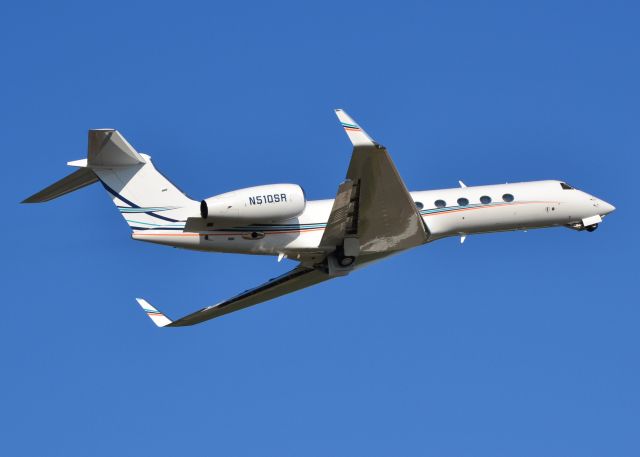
(535, 204)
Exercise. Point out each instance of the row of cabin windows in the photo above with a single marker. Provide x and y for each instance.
(485, 200)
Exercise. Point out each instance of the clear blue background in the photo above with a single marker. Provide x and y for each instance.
(512, 344)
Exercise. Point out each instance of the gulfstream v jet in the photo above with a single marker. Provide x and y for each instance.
(372, 216)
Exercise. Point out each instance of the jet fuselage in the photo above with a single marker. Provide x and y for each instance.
(459, 211)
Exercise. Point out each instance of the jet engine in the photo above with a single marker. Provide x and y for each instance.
(274, 202)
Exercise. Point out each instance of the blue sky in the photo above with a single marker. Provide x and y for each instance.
(513, 344)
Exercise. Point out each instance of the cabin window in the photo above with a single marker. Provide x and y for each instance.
(507, 198)
(440, 203)
(485, 199)
(419, 205)
(565, 186)
(463, 202)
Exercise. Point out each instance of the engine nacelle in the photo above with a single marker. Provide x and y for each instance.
(274, 202)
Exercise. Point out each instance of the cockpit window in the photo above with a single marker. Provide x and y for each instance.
(565, 186)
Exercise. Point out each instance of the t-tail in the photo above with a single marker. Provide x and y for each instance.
(144, 197)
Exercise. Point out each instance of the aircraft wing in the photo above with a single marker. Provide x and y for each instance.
(294, 280)
(373, 204)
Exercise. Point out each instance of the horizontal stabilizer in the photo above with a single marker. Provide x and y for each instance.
(108, 148)
(76, 180)
(156, 316)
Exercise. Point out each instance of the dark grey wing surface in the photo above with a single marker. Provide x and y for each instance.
(380, 210)
(296, 279)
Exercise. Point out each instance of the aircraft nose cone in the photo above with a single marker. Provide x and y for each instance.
(606, 207)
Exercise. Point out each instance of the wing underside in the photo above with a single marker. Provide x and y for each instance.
(296, 279)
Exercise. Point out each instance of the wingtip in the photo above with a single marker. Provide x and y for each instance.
(33, 199)
(156, 316)
(356, 134)
(340, 114)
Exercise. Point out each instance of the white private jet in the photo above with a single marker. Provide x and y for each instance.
(372, 216)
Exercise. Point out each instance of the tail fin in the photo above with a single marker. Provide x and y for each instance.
(136, 187)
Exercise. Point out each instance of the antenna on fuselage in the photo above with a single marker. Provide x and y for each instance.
(462, 184)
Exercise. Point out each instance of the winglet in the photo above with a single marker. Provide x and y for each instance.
(355, 133)
(156, 316)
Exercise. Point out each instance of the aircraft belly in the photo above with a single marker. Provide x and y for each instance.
(270, 242)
